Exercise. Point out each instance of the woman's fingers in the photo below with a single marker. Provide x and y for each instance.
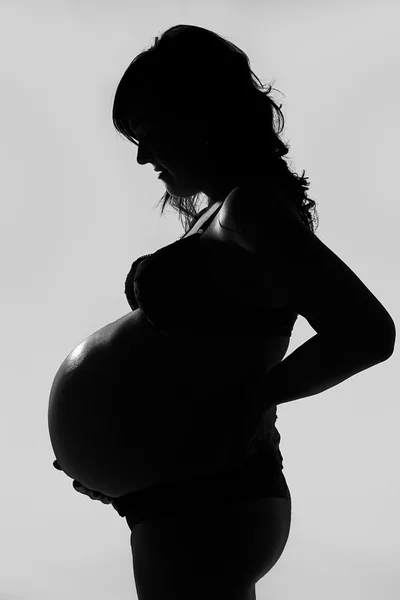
(91, 493)
(84, 490)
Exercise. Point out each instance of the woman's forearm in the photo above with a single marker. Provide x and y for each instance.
(317, 365)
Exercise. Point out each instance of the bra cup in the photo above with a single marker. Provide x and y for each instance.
(173, 284)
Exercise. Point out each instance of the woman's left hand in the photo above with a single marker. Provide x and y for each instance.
(91, 493)
(86, 491)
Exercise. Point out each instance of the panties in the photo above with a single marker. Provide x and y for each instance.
(260, 476)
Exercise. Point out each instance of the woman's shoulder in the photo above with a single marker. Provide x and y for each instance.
(258, 201)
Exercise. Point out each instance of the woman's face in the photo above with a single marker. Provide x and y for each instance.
(178, 147)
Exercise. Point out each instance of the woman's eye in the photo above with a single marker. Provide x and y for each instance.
(146, 136)
(147, 133)
(141, 139)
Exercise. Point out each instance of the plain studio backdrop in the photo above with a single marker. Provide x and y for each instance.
(77, 210)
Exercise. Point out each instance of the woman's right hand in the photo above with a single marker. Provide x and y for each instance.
(86, 491)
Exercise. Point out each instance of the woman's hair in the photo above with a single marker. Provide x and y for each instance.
(192, 72)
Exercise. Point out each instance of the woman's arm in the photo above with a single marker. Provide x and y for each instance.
(317, 365)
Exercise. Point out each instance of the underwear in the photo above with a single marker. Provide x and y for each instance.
(259, 477)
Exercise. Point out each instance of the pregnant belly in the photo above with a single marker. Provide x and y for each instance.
(133, 407)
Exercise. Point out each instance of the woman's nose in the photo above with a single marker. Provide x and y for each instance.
(142, 156)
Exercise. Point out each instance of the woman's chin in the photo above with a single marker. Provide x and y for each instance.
(179, 189)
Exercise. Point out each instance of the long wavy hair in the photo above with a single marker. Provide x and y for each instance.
(212, 80)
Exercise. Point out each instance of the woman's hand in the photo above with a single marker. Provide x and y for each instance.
(86, 491)
(91, 493)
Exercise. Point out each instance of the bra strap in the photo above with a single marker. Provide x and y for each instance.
(208, 221)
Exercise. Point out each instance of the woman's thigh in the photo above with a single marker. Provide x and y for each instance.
(213, 555)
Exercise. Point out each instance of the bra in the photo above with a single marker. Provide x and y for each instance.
(173, 289)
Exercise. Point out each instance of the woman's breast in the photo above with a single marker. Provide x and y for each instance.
(133, 406)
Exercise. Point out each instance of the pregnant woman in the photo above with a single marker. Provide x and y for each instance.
(169, 412)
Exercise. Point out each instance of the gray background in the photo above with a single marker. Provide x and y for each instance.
(76, 210)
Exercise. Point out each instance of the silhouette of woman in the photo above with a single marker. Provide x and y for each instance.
(170, 411)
